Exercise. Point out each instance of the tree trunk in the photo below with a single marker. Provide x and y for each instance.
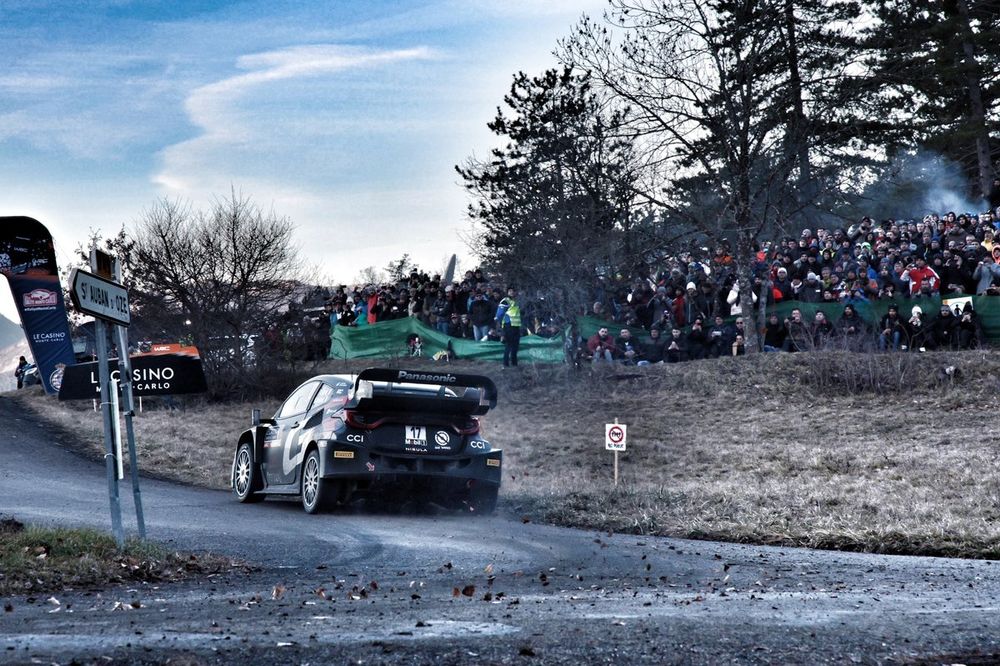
(976, 106)
(798, 151)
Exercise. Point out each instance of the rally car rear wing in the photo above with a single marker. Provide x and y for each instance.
(378, 389)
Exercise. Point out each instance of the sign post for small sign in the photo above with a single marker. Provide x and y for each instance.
(615, 436)
(128, 405)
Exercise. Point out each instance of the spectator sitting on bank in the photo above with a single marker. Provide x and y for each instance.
(601, 346)
(970, 332)
(822, 330)
(851, 324)
(627, 348)
(717, 338)
(892, 329)
(652, 350)
(697, 340)
(798, 336)
(775, 333)
(917, 331)
(943, 331)
(675, 349)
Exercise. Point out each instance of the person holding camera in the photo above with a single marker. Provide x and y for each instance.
(987, 271)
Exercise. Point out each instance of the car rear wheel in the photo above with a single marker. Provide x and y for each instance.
(246, 476)
(318, 494)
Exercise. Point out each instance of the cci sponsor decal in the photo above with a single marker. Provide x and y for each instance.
(39, 299)
(441, 438)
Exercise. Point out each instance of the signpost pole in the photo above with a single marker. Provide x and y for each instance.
(100, 328)
(128, 406)
(616, 459)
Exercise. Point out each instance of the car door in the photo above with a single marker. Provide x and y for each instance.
(285, 452)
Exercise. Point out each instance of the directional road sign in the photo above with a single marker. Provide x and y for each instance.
(98, 297)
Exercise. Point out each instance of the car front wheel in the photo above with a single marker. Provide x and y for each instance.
(246, 476)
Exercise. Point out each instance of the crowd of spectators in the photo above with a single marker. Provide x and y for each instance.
(690, 308)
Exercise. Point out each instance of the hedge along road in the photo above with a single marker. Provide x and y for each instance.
(384, 587)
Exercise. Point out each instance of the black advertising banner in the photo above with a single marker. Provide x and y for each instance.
(28, 260)
(173, 371)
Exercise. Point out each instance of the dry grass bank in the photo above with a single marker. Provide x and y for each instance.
(884, 454)
(36, 560)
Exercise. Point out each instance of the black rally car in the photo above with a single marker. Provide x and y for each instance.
(415, 432)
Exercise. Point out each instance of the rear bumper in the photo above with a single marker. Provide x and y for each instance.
(345, 461)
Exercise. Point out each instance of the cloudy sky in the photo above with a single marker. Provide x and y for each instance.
(346, 116)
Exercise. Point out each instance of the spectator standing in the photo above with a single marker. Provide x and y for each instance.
(986, 272)
(481, 310)
(508, 318)
(19, 371)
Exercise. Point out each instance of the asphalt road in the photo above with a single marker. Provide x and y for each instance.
(387, 585)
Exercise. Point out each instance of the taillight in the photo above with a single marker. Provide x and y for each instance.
(362, 421)
(470, 427)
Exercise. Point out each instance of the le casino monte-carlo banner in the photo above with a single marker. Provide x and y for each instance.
(28, 261)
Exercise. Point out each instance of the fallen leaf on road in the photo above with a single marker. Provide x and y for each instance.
(8, 607)
(488, 569)
(469, 590)
(278, 591)
(455, 592)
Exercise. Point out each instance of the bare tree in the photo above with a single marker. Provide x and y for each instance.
(218, 279)
(707, 83)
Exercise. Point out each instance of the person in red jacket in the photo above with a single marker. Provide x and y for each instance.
(916, 275)
(602, 346)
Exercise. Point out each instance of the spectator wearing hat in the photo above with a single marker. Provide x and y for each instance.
(652, 350)
(822, 330)
(943, 332)
(970, 330)
(508, 318)
(917, 329)
(892, 329)
(812, 289)
(851, 326)
(986, 273)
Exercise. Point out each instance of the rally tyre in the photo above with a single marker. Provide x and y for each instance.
(483, 499)
(318, 494)
(246, 476)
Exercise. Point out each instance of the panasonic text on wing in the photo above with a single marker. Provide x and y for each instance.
(442, 379)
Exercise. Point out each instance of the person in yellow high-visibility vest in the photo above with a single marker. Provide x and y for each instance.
(509, 320)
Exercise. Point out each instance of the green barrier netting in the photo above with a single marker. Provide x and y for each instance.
(389, 339)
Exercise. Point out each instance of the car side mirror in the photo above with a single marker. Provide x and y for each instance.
(255, 417)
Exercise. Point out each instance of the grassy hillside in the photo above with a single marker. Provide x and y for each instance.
(887, 453)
